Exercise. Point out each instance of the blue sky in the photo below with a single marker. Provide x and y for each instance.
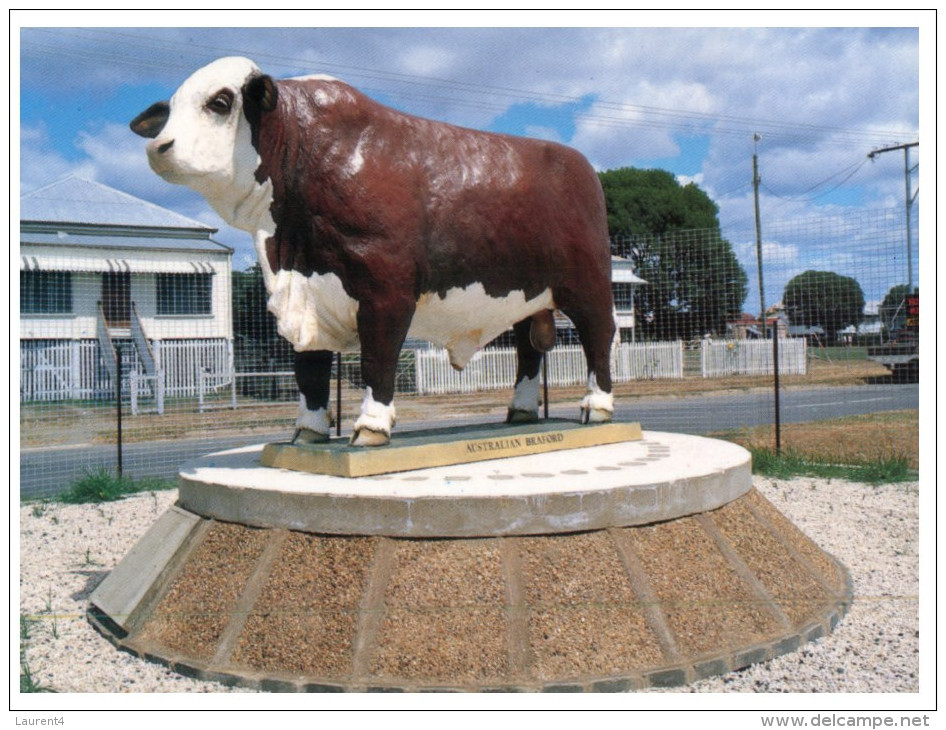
(685, 99)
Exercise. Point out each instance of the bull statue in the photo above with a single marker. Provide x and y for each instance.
(372, 225)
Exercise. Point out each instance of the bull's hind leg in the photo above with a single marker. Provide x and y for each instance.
(313, 375)
(534, 337)
(596, 333)
(524, 407)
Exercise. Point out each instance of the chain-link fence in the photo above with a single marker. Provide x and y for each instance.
(201, 367)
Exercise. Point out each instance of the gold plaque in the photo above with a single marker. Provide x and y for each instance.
(410, 450)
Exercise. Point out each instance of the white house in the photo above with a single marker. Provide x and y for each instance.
(623, 283)
(103, 272)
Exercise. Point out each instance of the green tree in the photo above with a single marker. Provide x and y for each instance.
(695, 283)
(257, 344)
(825, 299)
(893, 309)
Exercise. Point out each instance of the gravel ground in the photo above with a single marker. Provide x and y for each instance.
(65, 550)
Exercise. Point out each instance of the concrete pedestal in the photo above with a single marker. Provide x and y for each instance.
(632, 565)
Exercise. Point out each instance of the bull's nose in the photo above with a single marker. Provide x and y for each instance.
(159, 147)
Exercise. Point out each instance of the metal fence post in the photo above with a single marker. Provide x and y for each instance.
(231, 364)
(200, 390)
(118, 403)
(159, 390)
(778, 419)
(338, 393)
(133, 391)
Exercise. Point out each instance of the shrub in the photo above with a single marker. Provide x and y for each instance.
(103, 486)
(787, 464)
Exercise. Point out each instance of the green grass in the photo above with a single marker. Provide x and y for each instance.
(103, 486)
(886, 470)
(28, 683)
(840, 353)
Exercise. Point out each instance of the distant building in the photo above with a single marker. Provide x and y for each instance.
(869, 330)
(748, 327)
(812, 333)
(744, 328)
(102, 271)
(623, 283)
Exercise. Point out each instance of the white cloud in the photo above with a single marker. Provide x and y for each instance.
(115, 152)
(814, 94)
(773, 251)
(427, 60)
(41, 163)
(548, 133)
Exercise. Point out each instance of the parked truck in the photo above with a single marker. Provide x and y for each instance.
(901, 355)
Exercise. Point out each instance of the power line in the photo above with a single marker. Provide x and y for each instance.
(802, 198)
(644, 116)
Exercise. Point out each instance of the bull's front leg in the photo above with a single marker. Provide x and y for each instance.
(382, 328)
(313, 376)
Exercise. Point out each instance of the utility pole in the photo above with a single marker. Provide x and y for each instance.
(758, 248)
(909, 198)
(758, 226)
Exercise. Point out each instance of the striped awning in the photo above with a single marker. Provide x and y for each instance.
(45, 262)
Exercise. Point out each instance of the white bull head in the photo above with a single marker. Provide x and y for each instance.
(202, 138)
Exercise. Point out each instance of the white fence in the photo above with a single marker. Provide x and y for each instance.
(221, 390)
(148, 388)
(61, 369)
(185, 361)
(753, 357)
(647, 361)
(496, 368)
(74, 370)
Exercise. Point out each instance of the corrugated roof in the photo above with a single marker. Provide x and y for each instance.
(84, 202)
(162, 265)
(622, 272)
(165, 243)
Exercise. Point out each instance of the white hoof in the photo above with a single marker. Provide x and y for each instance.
(597, 406)
(515, 415)
(367, 437)
(373, 426)
(524, 407)
(313, 427)
(308, 436)
(595, 415)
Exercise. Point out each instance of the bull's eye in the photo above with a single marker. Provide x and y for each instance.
(221, 102)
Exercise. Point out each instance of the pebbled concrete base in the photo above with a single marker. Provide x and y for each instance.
(623, 607)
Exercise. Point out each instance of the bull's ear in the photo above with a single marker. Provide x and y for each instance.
(259, 94)
(152, 120)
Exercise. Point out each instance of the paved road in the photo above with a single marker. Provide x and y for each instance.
(45, 472)
(705, 414)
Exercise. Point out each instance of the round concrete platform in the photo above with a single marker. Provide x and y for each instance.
(662, 477)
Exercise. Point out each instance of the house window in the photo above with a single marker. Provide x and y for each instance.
(45, 292)
(184, 293)
(623, 297)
